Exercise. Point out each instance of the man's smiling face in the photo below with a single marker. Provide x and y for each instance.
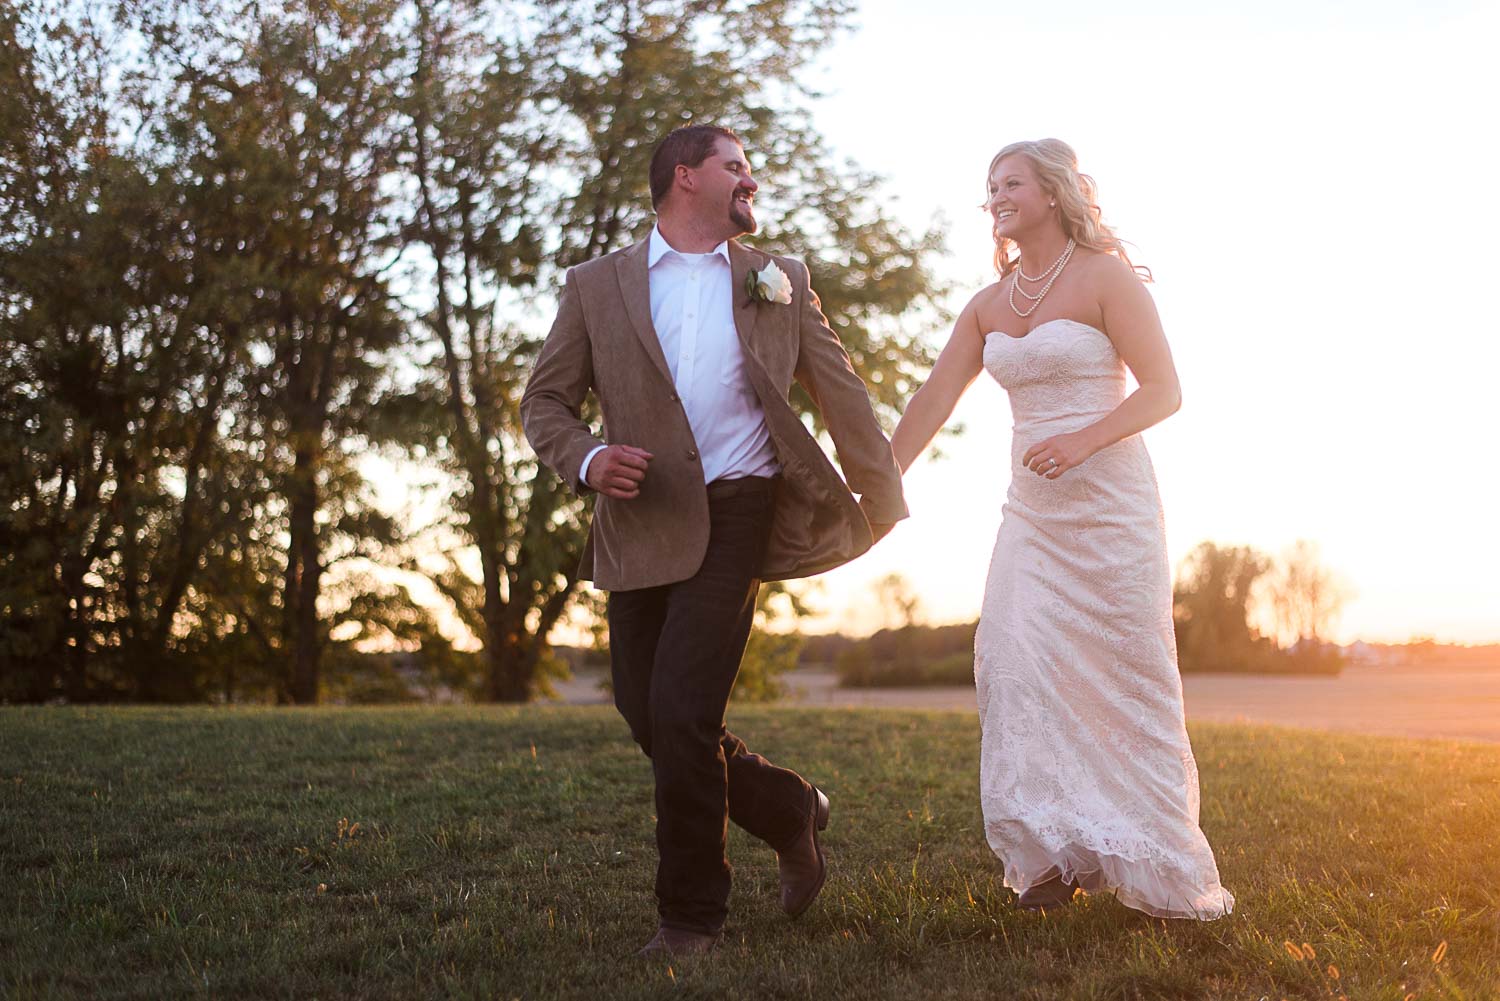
(724, 190)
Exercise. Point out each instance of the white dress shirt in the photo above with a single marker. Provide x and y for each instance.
(692, 309)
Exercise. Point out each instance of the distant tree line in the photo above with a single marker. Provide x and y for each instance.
(1424, 651)
(1238, 609)
(1234, 609)
(271, 279)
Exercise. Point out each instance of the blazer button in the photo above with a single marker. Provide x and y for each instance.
(674, 398)
(692, 454)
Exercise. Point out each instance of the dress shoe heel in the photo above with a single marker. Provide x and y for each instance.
(1047, 894)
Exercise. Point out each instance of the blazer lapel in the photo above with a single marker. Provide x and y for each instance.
(741, 261)
(635, 287)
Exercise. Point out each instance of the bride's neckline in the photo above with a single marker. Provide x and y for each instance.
(1045, 323)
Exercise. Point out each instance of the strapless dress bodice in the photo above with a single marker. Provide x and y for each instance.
(1062, 372)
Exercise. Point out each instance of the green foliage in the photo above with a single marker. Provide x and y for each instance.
(858, 668)
(628, 73)
(245, 249)
(767, 657)
(507, 852)
(770, 655)
(196, 320)
(544, 165)
(905, 656)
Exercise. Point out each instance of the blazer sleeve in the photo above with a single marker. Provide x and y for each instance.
(560, 381)
(823, 369)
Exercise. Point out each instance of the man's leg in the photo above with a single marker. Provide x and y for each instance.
(700, 768)
(765, 800)
(635, 621)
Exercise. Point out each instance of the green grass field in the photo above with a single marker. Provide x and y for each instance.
(407, 853)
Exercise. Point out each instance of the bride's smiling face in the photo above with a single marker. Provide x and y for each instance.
(1017, 202)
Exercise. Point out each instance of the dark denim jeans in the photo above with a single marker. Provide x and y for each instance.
(675, 651)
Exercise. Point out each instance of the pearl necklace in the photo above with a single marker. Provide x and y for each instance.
(1066, 251)
(1036, 300)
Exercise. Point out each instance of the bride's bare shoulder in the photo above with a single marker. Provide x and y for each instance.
(1108, 268)
(982, 307)
(990, 294)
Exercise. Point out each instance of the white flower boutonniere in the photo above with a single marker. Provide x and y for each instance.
(769, 284)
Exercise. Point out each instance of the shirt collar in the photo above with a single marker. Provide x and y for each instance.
(659, 248)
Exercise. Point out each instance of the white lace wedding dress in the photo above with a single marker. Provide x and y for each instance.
(1085, 767)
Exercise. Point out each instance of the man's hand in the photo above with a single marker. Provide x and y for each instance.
(618, 471)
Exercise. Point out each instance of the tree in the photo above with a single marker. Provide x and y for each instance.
(1212, 609)
(542, 165)
(245, 246)
(897, 602)
(119, 354)
(476, 149)
(293, 115)
(770, 655)
(1305, 596)
(1219, 593)
(197, 329)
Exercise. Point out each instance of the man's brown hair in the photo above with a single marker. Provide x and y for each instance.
(689, 146)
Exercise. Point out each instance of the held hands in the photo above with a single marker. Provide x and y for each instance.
(878, 529)
(618, 471)
(1058, 454)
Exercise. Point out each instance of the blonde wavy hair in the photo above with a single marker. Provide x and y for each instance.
(1076, 194)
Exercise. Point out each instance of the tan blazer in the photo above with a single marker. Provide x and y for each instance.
(603, 340)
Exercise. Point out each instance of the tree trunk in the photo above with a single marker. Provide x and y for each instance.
(75, 684)
(508, 680)
(303, 579)
(502, 682)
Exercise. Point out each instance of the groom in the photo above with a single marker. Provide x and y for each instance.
(709, 484)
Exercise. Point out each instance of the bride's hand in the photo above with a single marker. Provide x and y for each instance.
(1058, 454)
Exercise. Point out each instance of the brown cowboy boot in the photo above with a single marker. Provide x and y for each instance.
(803, 865)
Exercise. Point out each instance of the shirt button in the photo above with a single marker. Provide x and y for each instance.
(692, 454)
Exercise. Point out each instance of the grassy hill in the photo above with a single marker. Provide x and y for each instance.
(484, 852)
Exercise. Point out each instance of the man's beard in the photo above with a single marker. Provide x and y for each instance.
(742, 216)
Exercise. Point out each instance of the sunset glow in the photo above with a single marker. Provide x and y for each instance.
(1311, 185)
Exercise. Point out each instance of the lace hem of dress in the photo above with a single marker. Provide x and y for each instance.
(1150, 885)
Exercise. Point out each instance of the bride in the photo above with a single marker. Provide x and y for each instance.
(1087, 779)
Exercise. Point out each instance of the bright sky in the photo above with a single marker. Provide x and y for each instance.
(1313, 184)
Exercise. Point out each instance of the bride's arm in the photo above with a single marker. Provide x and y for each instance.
(961, 361)
(1132, 324)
